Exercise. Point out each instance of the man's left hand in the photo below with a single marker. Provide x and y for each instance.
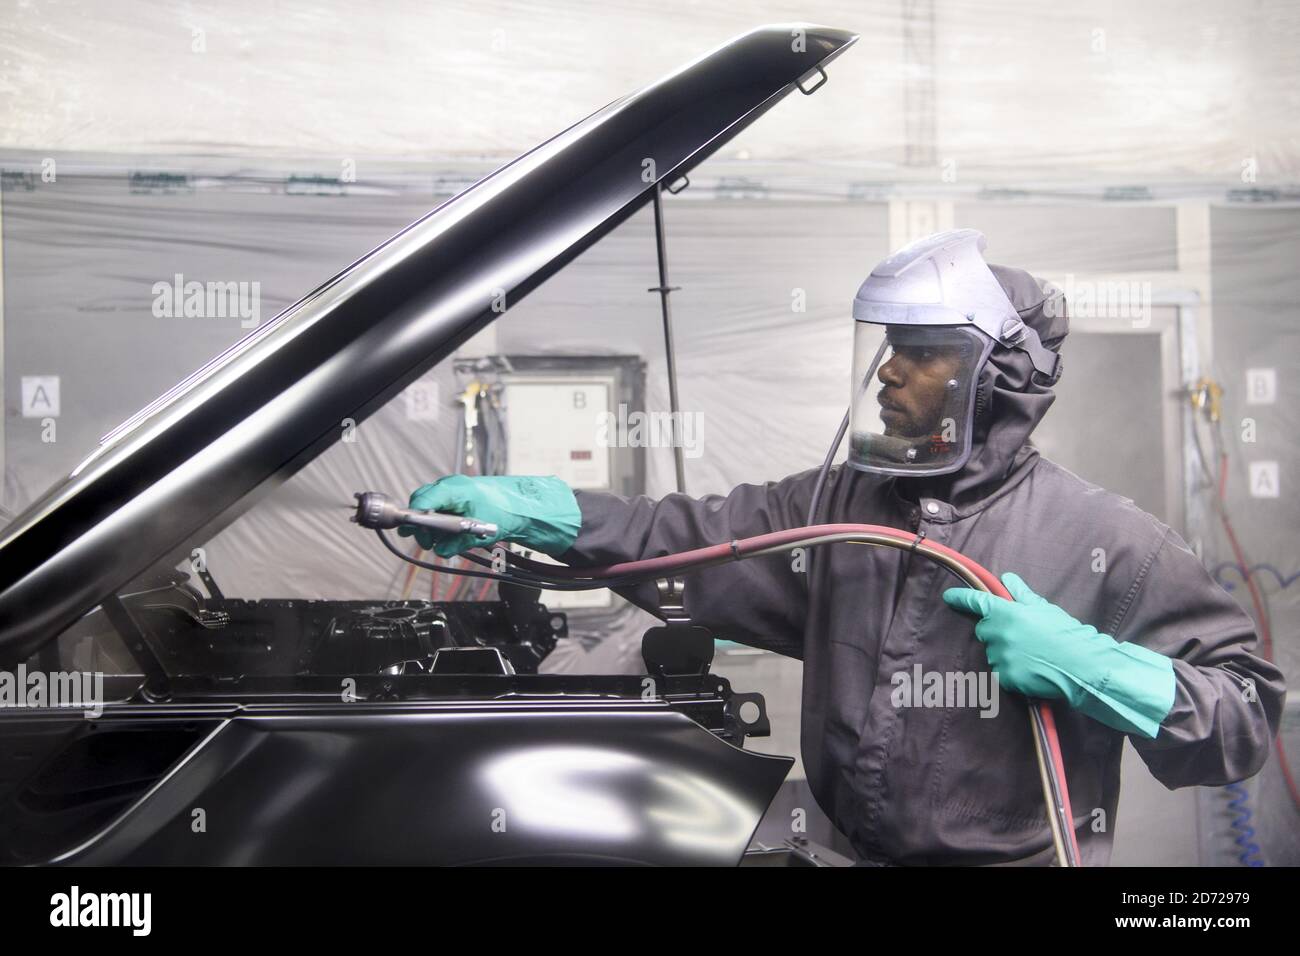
(1039, 650)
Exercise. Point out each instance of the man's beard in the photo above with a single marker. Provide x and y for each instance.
(906, 430)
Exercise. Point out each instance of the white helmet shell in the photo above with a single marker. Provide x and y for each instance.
(944, 280)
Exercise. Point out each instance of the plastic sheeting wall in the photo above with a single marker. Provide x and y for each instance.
(1162, 89)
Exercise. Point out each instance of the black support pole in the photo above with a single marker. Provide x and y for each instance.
(664, 289)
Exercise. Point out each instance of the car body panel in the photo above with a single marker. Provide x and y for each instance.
(505, 782)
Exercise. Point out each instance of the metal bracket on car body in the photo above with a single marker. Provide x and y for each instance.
(681, 183)
(672, 600)
(759, 726)
(678, 647)
(156, 685)
(812, 89)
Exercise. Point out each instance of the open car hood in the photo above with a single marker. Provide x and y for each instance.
(197, 457)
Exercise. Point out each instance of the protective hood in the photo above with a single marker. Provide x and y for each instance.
(1010, 399)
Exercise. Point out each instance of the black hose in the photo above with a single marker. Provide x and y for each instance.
(820, 487)
(529, 579)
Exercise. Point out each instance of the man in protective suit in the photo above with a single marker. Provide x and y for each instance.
(1115, 618)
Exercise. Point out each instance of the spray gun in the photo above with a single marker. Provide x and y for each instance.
(380, 511)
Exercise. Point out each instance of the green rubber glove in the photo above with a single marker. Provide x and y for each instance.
(1039, 650)
(537, 512)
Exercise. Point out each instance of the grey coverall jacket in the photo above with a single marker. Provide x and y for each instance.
(936, 785)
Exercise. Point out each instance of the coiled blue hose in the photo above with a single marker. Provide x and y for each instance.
(1245, 840)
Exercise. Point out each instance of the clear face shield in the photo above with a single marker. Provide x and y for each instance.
(914, 397)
